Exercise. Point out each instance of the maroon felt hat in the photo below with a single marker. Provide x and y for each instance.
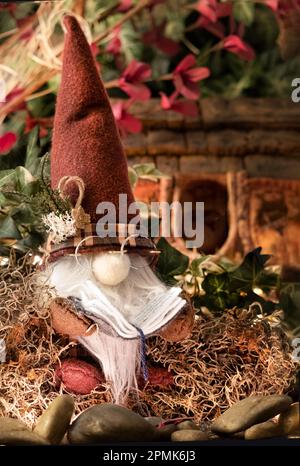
(86, 141)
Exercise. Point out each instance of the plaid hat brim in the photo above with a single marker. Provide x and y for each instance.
(87, 241)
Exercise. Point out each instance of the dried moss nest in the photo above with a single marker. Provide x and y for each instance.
(224, 361)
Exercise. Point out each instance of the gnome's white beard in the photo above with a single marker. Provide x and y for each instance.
(141, 300)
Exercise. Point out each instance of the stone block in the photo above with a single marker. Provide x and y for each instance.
(165, 142)
(209, 164)
(274, 167)
(168, 165)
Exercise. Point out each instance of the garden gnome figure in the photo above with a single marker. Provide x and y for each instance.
(108, 297)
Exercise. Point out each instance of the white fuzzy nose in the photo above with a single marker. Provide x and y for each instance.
(111, 268)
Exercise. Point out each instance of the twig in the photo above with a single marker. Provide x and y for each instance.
(79, 7)
(139, 7)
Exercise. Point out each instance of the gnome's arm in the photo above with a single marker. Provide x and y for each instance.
(181, 327)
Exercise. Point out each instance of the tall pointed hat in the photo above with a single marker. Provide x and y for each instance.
(86, 145)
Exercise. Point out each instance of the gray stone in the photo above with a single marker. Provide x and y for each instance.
(110, 423)
(250, 411)
(165, 432)
(154, 420)
(54, 422)
(266, 429)
(189, 435)
(289, 420)
(14, 432)
(187, 425)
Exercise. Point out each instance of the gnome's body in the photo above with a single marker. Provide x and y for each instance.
(108, 296)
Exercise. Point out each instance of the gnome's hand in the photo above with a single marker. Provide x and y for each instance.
(181, 327)
(67, 321)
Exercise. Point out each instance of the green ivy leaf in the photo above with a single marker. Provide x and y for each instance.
(32, 160)
(244, 11)
(290, 302)
(133, 178)
(8, 229)
(171, 262)
(243, 277)
(216, 288)
(23, 214)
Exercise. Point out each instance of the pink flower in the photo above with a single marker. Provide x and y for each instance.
(186, 77)
(124, 5)
(7, 141)
(11, 96)
(185, 107)
(44, 124)
(126, 122)
(212, 9)
(236, 45)
(273, 4)
(115, 45)
(94, 49)
(131, 81)
(156, 38)
(217, 29)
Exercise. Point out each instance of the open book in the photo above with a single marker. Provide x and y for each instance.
(152, 317)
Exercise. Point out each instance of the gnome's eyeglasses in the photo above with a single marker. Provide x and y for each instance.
(138, 259)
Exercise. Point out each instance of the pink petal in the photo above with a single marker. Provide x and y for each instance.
(156, 38)
(186, 63)
(136, 72)
(114, 46)
(165, 101)
(117, 109)
(188, 89)
(126, 122)
(7, 141)
(236, 45)
(223, 9)
(217, 29)
(130, 124)
(135, 91)
(198, 74)
(124, 5)
(94, 49)
(11, 95)
(168, 46)
(208, 9)
(273, 4)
